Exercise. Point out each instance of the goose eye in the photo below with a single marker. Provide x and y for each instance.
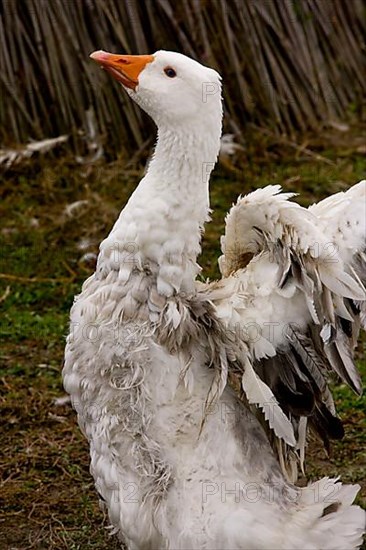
(170, 72)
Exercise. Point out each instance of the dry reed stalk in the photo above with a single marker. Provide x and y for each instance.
(286, 64)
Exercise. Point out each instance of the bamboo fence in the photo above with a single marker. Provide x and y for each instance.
(287, 65)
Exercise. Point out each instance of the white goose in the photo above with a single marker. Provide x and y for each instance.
(179, 460)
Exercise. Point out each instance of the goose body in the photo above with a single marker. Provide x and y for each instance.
(179, 461)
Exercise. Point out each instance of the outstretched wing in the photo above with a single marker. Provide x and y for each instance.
(292, 291)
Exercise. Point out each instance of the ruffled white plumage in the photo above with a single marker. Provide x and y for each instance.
(285, 271)
(178, 459)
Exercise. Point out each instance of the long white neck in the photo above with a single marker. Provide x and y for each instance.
(161, 226)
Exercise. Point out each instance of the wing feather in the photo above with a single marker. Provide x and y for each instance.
(258, 393)
(299, 276)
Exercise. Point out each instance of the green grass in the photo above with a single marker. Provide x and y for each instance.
(49, 500)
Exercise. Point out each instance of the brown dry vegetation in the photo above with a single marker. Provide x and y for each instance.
(48, 499)
(286, 65)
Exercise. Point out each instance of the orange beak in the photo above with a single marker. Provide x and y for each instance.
(124, 68)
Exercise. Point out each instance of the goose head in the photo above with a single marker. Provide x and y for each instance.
(172, 88)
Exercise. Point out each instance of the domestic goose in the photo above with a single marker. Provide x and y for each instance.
(178, 458)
